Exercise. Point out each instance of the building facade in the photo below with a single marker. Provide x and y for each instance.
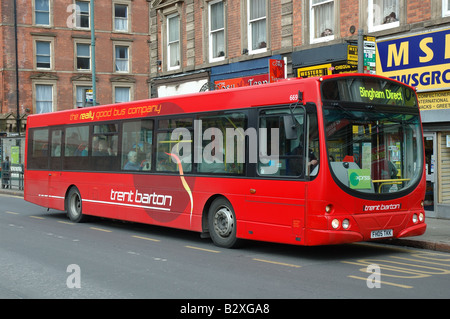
(151, 48)
(54, 61)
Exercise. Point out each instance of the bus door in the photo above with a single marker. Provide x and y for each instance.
(277, 196)
(36, 176)
(55, 163)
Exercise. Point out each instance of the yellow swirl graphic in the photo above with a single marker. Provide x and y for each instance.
(185, 184)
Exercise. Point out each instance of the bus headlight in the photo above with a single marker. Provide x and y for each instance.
(421, 217)
(335, 223)
(345, 224)
(414, 218)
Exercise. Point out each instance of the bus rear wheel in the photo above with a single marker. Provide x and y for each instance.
(73, 205)
(222, 223)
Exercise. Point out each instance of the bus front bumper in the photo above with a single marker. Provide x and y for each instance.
(334, 237)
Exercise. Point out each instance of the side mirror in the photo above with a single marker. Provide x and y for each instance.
(290, 127)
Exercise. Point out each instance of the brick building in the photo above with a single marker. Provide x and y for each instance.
(54, 55)
(150, 48)
(198, 44)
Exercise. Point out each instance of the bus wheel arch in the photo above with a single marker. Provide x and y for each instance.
(220, 219)
(73, 205)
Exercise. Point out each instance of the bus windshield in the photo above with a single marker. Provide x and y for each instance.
(373, 135)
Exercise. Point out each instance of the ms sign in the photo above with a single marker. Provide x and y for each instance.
(422, 61)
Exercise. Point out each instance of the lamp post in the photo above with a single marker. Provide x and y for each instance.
(360, 51)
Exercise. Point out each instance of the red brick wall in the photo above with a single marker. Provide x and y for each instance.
(64, 38)
(275, 25)
(349, 16)
(297, 12)
(234, 29)
(418, 10)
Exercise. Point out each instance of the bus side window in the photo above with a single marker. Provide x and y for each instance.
(280, 154)
(137, 145)
(223, 143)
(164, 161)
(76, 148)
(76, 141)
(38, 147)
(173, 143)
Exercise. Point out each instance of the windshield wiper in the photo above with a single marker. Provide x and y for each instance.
(344, 110)
(385, 115)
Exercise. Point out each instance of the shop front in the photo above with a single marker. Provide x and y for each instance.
(332, 59)
(422, 60)
(180, 83)
(248, 73)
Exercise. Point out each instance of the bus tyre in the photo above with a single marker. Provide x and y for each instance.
(73, 205)
(222, 223)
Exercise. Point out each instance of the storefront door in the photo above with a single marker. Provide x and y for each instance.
(431, 170)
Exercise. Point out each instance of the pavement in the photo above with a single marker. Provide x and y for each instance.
(436, 237)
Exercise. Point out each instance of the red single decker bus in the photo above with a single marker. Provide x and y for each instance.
(317, 161)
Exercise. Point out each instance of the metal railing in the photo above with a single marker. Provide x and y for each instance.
(13, 177)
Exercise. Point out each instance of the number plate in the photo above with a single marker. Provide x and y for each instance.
(381, 233)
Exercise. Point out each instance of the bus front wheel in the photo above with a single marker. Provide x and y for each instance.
(73, 205)
(222, 223)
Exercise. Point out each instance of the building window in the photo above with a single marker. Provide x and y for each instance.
(383, 14)
(173, 42)
(121, 17)
(82, 18)
(44, 98)
(122, 59)
(122, 94)
(83, 56)
(43, 55)
(322, 20)
(84, 96)
(42, 12)
(445, 8)
(216, 31)
(257, 26)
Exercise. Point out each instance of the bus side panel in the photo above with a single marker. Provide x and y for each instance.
(36, 187)
(274, 213)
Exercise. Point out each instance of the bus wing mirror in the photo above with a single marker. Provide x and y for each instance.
(290, 127)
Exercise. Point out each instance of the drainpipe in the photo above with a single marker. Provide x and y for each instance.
(94, 85)
(17, 70)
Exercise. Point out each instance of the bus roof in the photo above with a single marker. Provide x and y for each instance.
(279, 93)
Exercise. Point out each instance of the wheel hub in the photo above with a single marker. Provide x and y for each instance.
(223, 222)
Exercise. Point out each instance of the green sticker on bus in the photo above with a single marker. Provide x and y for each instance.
(359, 179)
